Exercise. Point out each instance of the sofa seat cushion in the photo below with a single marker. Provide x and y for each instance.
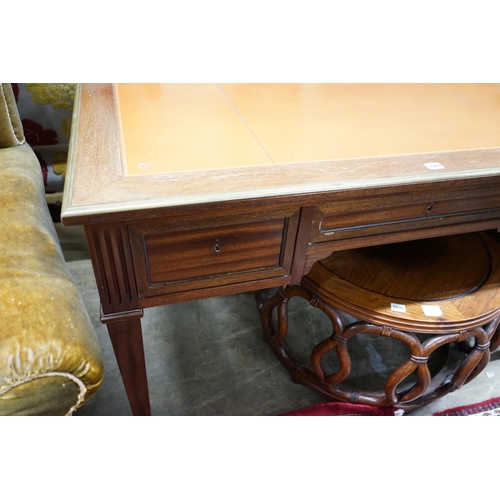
(46, 338)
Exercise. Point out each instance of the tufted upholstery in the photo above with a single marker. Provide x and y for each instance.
(50, 359)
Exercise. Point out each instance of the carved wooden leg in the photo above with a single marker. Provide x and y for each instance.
(109, 249)
(126, 338)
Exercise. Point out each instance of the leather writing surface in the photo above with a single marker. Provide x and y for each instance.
(209, 126)
(178, 127)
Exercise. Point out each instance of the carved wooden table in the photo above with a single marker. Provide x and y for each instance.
(193, 191)
(438, 297)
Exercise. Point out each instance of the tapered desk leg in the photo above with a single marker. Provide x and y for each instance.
(126, 338)
(110, 252)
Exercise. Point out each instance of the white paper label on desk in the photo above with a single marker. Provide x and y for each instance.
(398, 307)
(434, 165)
(432, 310)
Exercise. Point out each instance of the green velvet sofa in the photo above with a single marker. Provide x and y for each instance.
(50, 359)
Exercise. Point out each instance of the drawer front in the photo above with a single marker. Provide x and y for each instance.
(171, 260)
(359, 218)
(353, 222)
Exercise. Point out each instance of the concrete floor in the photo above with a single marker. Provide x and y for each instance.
(208, 357)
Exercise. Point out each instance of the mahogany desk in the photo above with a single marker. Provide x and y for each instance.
(192, 191)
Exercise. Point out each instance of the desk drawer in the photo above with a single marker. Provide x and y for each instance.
(408, 211)
(203, 254)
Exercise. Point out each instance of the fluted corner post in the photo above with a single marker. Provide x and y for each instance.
(120, 311)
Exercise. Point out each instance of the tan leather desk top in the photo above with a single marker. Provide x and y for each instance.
(212, 126)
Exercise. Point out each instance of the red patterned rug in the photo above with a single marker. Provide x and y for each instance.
(490, 408)
(335, 409)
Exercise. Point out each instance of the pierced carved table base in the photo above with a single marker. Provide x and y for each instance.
(450, 377)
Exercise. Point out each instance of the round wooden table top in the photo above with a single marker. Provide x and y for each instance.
(423, 270)
(433, 285)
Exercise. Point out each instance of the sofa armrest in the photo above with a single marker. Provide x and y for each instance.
(50, 359)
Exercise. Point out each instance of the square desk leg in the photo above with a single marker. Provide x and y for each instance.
(109, 249)
(126, 338)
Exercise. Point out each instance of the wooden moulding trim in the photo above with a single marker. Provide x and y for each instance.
(70, 168)
(146, 209)
(121, 316)
(72, 214)
(301, 242)
(286, 205)
(215, 291)
(94, 160)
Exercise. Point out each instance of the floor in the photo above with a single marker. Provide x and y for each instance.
(208, 357)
